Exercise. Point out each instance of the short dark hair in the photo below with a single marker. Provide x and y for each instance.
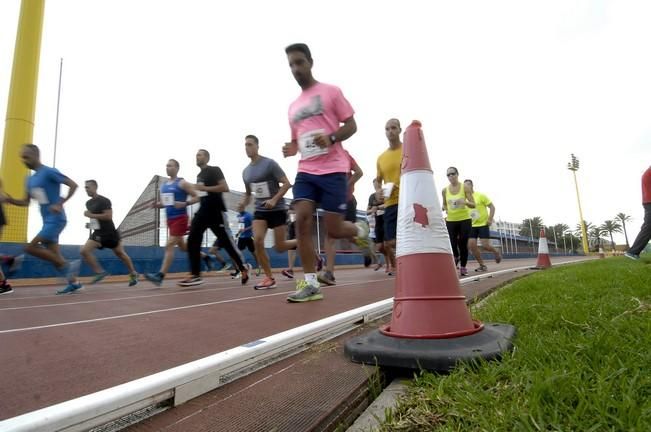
(34, 148)
(300, 47)
(397, 121)
(175, 163)
(206, 152)
(469, 181)
(456, 171)
(253, 137)
(92, 181)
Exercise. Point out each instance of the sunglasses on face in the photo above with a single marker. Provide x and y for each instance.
(451, 174)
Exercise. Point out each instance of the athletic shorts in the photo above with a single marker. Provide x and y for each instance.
(379, 229)
(51, 230)
(178, 226)
(246, 243)
(274, 218)
(351, 210)
(110, 241)
(390, 222)
(328, 189)
(482, 232)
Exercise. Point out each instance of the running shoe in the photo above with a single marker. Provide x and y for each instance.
(70, 288)
(235, 274)
(226, 267)
(5, 288)
(319, 262)
(377, 267)
(155, 278)
(191, 281)
(305, 292)
(326, 277)
(463, 271)
(267, 283)
(288, 273)
(133, 279)
(362, 240)
(244, 276)
(99, 276)
(481, 268)
(631, 256)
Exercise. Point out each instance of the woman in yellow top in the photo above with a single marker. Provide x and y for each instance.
(457, 202)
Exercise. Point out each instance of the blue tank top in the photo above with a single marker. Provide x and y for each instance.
(173, 190)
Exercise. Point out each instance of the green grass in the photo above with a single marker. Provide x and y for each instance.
(582, 360)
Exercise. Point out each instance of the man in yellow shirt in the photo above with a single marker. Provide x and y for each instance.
(387, 185)
(481, 222)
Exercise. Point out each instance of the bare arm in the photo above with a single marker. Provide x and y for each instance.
(491, 213)
(189, 189)
(357, 174)
(470, 201)
(445, 201)
(105, 215)
(221, 186)
(346, 130)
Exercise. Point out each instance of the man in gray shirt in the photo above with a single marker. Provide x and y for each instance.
(266, 179)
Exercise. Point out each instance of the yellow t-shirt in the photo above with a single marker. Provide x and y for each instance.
(457, 210)
(388, 169)
(480, 213)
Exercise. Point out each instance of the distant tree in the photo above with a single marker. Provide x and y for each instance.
(535, 223)
(623, 218)
(594, 236)
(611, 226)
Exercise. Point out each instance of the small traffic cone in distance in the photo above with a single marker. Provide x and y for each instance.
(431, 327)
(543, 261)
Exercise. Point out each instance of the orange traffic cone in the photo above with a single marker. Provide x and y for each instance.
(431, 326)
(543, 261)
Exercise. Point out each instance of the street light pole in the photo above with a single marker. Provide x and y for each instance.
(573, 166)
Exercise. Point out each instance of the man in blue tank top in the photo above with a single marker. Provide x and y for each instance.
(174, 199)
(45, 187)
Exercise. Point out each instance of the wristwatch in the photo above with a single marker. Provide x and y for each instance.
(333, 139)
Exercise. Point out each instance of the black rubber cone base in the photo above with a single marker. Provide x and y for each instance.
(439, 355)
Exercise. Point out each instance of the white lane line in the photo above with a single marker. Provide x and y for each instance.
(69, 323)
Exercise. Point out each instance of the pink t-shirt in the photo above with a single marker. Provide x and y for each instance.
(319, 109)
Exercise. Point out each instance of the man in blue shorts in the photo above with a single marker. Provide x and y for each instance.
(45, 187)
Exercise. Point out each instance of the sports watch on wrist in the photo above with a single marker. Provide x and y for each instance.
(333, 139)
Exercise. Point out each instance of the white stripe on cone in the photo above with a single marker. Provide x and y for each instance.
(542, 246)
(421, 228)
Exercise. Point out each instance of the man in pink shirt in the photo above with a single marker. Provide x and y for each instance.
(644, 236)
(319, 119)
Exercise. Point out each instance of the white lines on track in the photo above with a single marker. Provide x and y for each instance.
(69, 323)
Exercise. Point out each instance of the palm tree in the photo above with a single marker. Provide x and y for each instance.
(623, 218)
(579, 233)
(535, 223)
(594, 235)
(611, 226)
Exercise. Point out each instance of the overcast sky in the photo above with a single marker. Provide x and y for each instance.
(505, 90)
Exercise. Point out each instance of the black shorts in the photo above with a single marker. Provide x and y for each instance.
(274, 218)
(3, 220)
(351, 211)
(246, 243)
(482, 232)
(390, 222)
(379, 229)
(108, 241)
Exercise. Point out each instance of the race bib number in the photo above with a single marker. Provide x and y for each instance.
(93, 224)
(39, 195)
(240, 226)
(167, 199)
(201, 193)
(474, 214)
(457, 204)
(387, 189)
(261, 190)
(308, 147)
